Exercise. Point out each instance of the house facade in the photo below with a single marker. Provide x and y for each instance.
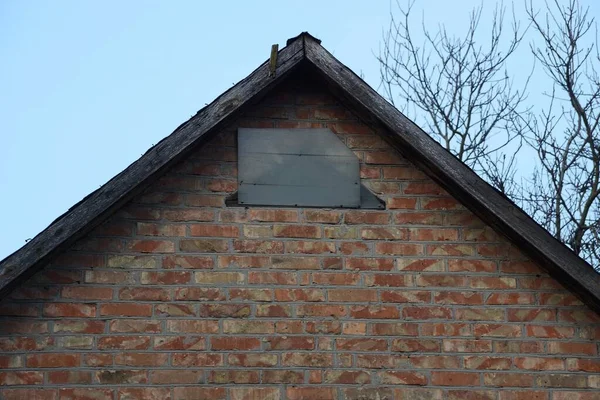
(162, 285)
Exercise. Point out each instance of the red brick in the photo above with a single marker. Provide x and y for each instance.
(389, 280)
(174, 310)
(441, 281)
(144, 294)
(30, 394)
(177, 376)
(471, 395)
(127, 325)
(199, 393)
(53, 360)
(197, 359)
(141, 359)
(508, 379)
(85, 393)
(124, 342)
(251, 294)
(98, 359)
(349, 248)
(394, 329)
(191, 262)
(554, 332)
(258, 246)
(109, 277)
(497, 330)
(208, 230)
(405, 296)
(126, 309)
(531, 314)
(309, 295)
(20, 310)
(455, 250)
(510, 298)
(203, 246)
(78, 326)
(435, 362)
(297, 231)
(310, 393)
(428, 265)
(418, 218)
(193, 326)
(335, 278)
(424, 313)
(273, 310)
(310, 247)
(320, 310)
(322, 217)
(479, 314)
(366, 217)
(572, 348)
(458, 297)
(252, 359)
(250, 393)
(440, 203)
(230, 343)
(486, 362)
(370, 264)
(352, 295)
(151, 246)
(403, 378)
(144, 393)
(230, 310)
(445, 329)
(381, 233)
(402, 203)
(347, 377)
(438, 234)
(539, 364)
(559, 299)
(467, 346)
(189, 215)
(401, 249)
(165, 278)
(179, 343)
(78, 310)
(31, 327)
(263, 215)
(10, 378)
(377, 312)
(454, 378)
(472, 266)
(153, 229)
(290, 343)
(277, 278)
(416, 345)
(198, 293)
(592, 365)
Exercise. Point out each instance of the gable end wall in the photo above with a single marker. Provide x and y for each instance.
(179, 297)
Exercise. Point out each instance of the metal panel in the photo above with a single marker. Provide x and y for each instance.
(296, 167)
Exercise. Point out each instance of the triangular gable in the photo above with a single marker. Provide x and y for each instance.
(406, 137)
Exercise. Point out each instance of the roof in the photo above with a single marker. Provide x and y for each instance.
(405, 136)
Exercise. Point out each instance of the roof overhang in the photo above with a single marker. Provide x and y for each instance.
(406, 137)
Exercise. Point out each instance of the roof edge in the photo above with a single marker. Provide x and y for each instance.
(462, 182)
(100, 204)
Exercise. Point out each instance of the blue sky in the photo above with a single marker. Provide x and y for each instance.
(87, 87)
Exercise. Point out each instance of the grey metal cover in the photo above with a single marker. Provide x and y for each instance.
(296, 167)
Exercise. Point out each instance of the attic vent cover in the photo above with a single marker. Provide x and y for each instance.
(298, 167)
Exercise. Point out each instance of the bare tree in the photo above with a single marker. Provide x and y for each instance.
(460, 90)
(564, 195)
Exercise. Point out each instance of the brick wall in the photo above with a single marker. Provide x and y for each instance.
(180, 297)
